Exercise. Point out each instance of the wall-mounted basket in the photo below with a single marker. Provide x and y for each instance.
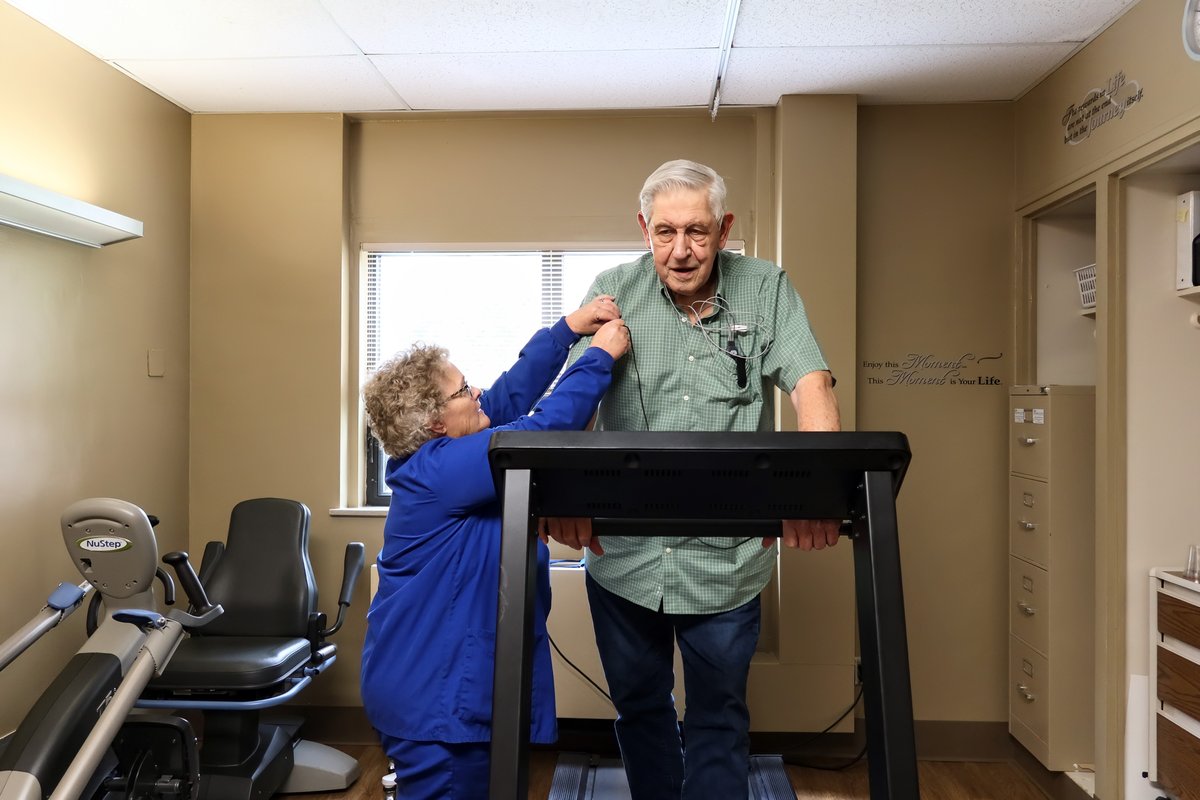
(1086, 277)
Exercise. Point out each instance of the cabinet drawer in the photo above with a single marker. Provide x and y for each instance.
(1029, 520)
(1178, 760)
(1029, 431)
(1029, 604)
(1179, 682)
(1178, 619)
(1029, 684)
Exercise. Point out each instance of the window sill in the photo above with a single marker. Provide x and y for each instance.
(359, 511)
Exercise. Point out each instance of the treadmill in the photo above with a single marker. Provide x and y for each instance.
(578, 776)
(703, 484)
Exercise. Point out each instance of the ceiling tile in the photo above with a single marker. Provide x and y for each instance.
(962, 73)
(151, 29)
(242, 86)
(485, 26)
(215, 55)
(801, 23)
(531, 81)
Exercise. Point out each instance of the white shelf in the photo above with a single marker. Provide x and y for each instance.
(1193, 291)
(1087, 312)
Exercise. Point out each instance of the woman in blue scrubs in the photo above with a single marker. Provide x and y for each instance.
(428, 656)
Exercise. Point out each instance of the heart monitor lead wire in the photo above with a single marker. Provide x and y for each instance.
(730, 329)
(732, 326)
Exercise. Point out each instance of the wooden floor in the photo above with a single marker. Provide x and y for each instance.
(940, 780)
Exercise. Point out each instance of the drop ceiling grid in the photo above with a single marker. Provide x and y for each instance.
(232, 56)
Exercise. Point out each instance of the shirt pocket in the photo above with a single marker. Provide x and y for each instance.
(717, 378)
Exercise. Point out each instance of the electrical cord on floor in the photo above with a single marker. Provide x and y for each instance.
(571, 664)
(828, 768)
(797, 762)
(792, 760)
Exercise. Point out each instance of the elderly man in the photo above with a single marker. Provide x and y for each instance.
(711, 333)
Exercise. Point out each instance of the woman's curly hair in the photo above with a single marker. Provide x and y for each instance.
(404, 396)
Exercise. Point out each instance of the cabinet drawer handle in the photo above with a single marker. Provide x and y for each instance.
(1027, 525)
(1028, 441)
(1026, 695)
(1026, 609)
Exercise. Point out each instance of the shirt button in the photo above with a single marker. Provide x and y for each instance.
(667, 551)
(685, 397)
(691, 358)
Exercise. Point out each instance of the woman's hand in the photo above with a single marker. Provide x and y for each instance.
(613, 338)
(589, 317)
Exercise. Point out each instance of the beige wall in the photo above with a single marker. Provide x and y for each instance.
(815, 225)
(79, 416)
(268, 341)
(519, 178)
(934, 249)
(1145, 44)
(1144, 351)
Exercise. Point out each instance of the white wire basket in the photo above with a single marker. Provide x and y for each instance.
(1086, 278)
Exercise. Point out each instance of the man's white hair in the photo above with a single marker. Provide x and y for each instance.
(684, 174)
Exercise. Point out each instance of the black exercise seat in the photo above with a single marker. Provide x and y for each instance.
(267, 646)
(246, 663)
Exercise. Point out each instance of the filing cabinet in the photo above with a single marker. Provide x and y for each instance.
(1051, 565)
(1175, 683)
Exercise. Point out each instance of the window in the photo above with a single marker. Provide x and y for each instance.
(482, 306)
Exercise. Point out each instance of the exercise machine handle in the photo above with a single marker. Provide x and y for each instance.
(59, 605)
(188, 581)
(168, 586)
(351, 567)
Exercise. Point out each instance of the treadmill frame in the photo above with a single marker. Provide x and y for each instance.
(672, 483)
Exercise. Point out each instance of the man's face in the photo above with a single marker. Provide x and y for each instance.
(684, 236)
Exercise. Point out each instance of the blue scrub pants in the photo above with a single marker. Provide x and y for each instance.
(637, 652)
(439, 770)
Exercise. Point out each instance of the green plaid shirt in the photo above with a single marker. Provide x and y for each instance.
(679, 377)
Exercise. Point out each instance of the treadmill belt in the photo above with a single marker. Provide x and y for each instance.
(579, 776)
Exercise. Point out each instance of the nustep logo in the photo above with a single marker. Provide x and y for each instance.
(104, 544)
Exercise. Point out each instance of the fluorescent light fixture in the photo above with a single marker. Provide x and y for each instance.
(32, 208)
(731, 18)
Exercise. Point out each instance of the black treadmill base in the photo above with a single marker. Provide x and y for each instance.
(579, 776)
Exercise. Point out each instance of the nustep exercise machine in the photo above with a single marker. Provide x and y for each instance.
(80, 740)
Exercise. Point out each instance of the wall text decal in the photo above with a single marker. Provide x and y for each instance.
(928, 369)
(1099, 107)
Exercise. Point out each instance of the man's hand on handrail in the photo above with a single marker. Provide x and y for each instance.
(574, 532)
(808, 534)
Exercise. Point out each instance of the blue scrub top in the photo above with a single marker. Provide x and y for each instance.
(428, 657)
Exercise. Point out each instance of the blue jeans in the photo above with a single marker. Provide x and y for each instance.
(637, 652)
(439, 770)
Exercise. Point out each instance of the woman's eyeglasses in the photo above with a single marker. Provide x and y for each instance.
(463, 391)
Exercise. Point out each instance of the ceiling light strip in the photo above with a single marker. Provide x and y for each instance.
(731, 18)
(32, 208)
